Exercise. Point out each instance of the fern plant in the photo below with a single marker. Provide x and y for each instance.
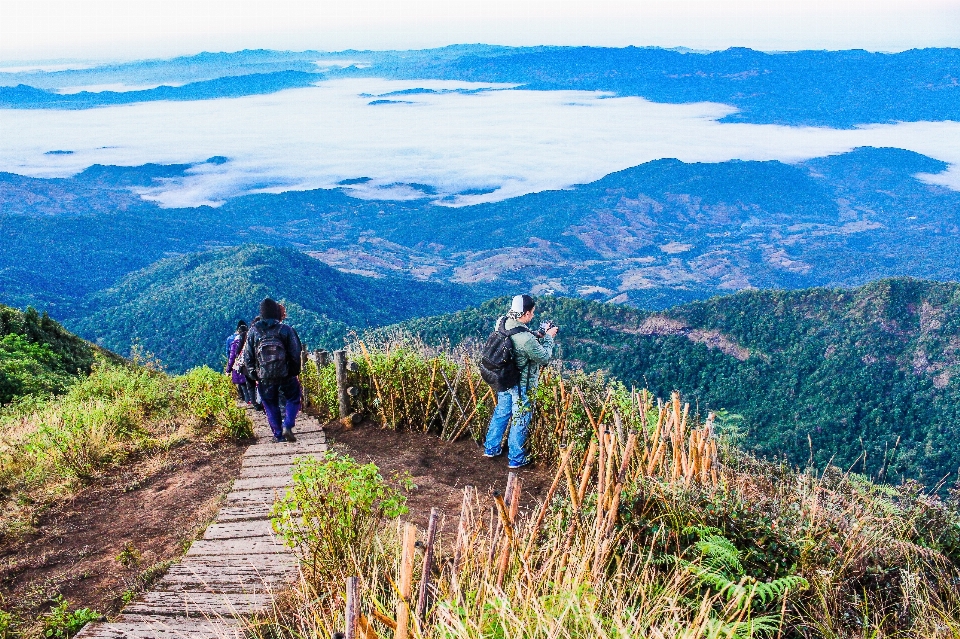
(717, 566)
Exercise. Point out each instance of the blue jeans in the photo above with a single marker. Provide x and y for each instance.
(513, 408)
(270, 395)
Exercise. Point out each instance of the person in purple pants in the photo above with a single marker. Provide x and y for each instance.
(272, 353)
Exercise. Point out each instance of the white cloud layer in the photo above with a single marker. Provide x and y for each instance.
(132, 29)
(513, 141)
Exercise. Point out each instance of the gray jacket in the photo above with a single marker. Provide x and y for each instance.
(532, 353)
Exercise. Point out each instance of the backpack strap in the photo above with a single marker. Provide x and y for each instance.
(513, 331)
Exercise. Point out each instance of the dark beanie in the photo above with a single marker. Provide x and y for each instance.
(269, 309)
(241, 324)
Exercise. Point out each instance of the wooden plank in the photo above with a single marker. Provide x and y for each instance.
(237, 530)
(270, 470)
(225, 580)
(257, 483)
(156, 627)
(219, 569)
(253, 561)
(260, 496)
(312, 437)
(287, 460)
(300, 448)
(200, 604)
(248, 545)
(243, 512)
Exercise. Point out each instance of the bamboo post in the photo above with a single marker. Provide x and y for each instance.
(546, 502)
(406, 581)
(497, 528)
(427, 565)
(464, 528)
(353, 608)
(340, 360)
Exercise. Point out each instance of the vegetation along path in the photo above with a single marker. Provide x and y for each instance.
(238, 566)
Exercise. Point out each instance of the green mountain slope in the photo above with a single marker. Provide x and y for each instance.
(182, 308)
(37, 355)
(870, 375)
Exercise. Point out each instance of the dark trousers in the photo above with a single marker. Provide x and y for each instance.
(270, 394)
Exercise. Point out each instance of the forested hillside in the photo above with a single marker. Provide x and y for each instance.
(37, 356)
(181, 309)
(868, 377)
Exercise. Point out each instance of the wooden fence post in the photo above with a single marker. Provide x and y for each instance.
(353, 608)
(427, 565)
(464, 528)
(406, 581)
(340, 359)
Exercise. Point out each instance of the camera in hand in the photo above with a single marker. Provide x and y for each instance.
(544, 327)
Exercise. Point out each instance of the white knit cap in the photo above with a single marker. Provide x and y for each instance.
(521, 302)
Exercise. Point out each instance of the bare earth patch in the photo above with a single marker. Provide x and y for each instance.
(100, 543)
(439, 469)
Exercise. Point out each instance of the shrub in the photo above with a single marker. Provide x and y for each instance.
(211, 398)
(61, 623)
(334, 509)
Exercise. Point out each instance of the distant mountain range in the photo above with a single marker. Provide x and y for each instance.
(181, 309)
(865, 378)
(651, 236)
(816, 88)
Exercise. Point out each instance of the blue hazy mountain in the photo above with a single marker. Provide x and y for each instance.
(23, 96)
(653, 235)
(819, 88)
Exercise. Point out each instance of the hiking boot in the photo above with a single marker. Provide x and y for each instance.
(288, 435)
(277, 440)
(520, 465)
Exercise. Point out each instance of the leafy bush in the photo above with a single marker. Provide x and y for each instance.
(211, 397)
(61, 623)
(334, 510)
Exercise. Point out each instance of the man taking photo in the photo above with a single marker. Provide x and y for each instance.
(513, 349)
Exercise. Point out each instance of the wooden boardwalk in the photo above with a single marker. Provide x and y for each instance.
(238, 566)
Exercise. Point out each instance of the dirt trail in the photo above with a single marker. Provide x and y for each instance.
(439, 469)
(145, 515)
(238, 566)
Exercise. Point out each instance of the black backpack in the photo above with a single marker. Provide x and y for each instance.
(498, 363)
(271, 356)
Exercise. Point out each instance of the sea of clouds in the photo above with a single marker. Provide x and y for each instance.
(500, 141)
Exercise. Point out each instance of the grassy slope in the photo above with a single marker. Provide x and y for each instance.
(182, 308)
(856, 370)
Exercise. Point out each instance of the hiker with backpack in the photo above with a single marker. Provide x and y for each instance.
(510, 364)
(234, 365)
(272, 354)
(232, 338)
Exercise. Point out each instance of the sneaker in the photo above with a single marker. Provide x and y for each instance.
(277, 440)
(288, 435)
(483, 447)
(520, 465)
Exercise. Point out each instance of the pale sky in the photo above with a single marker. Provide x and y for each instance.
(32, 30)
